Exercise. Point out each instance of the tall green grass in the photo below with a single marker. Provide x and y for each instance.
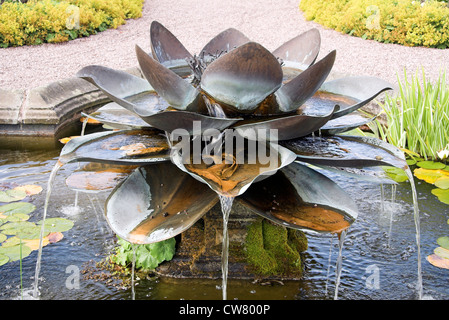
(418, 117)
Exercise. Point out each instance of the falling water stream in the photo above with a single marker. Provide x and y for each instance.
(339, 266)
(52, 177)
(226, 206)
(418, 232)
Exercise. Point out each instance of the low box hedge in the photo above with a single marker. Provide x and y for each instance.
(406, 22)
(50, 21)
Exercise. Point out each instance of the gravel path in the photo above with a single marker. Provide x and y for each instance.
(194, 22)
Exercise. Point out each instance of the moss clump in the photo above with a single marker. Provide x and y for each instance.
(274, 250)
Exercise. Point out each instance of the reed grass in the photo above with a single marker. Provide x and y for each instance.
(418, 117)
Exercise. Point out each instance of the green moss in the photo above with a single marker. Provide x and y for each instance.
(274, 250)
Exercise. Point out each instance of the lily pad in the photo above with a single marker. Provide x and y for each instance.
(31, 233)
(14, 252)
(30, 189)
(57, 224)
(442, 182)
(3, 259)
(442, 252)
(443, 242)
(411, 162)
(2, 237)
(438, 262)
(12, 241)
(429, 175)
(17, 217)
(397, 174)
(13, 228)
(33, 244)
(17, 207)
(430, 165)
(443, 195)
(12, 195)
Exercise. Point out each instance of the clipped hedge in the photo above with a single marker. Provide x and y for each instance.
(406, 22)
(52, 21)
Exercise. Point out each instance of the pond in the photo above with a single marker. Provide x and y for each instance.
(379, 255)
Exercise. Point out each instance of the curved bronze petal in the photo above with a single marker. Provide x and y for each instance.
(97, 177)
(224, 42)
(301, 51)
(300, 198)
(168, 50)
(187, 121)
(346, 151)
(289, 127)
(370, 174)
(117, 117)
(349, 93)
(157, 202)
(243, 77)
(344, 123)
(133, 147)
(295, 92)
(179, 93)
(129, 91)
(234, 173)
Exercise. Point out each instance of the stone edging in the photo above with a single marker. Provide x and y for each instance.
(45, 111)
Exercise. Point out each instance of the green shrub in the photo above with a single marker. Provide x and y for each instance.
(405, 22)
(51, 21)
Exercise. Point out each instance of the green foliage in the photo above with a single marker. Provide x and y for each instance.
(51, 21)
(418, 117)
(148, 256)
(407, 22)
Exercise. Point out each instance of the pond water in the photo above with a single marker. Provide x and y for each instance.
(379, 257)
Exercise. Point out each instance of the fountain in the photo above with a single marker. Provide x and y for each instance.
(236, 124)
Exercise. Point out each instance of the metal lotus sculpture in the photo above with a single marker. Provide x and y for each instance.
(277, 102)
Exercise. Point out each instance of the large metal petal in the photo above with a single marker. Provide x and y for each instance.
(133, 147)
(243, 78)
(345, 123)
(300, 198)
(245, 173)
(131, 92)
(346, 151)
(168, 50)
(350, 93)
(117, 117)
(301, 51)
(295, 92)
(224, 42)
(187, 121)
(288, 127)
(369, 174)
(157, 202)
(96, 177)
(179, 93)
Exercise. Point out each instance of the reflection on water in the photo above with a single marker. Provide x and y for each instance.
(378, 258)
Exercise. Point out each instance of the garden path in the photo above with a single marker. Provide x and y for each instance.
(268, 22)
